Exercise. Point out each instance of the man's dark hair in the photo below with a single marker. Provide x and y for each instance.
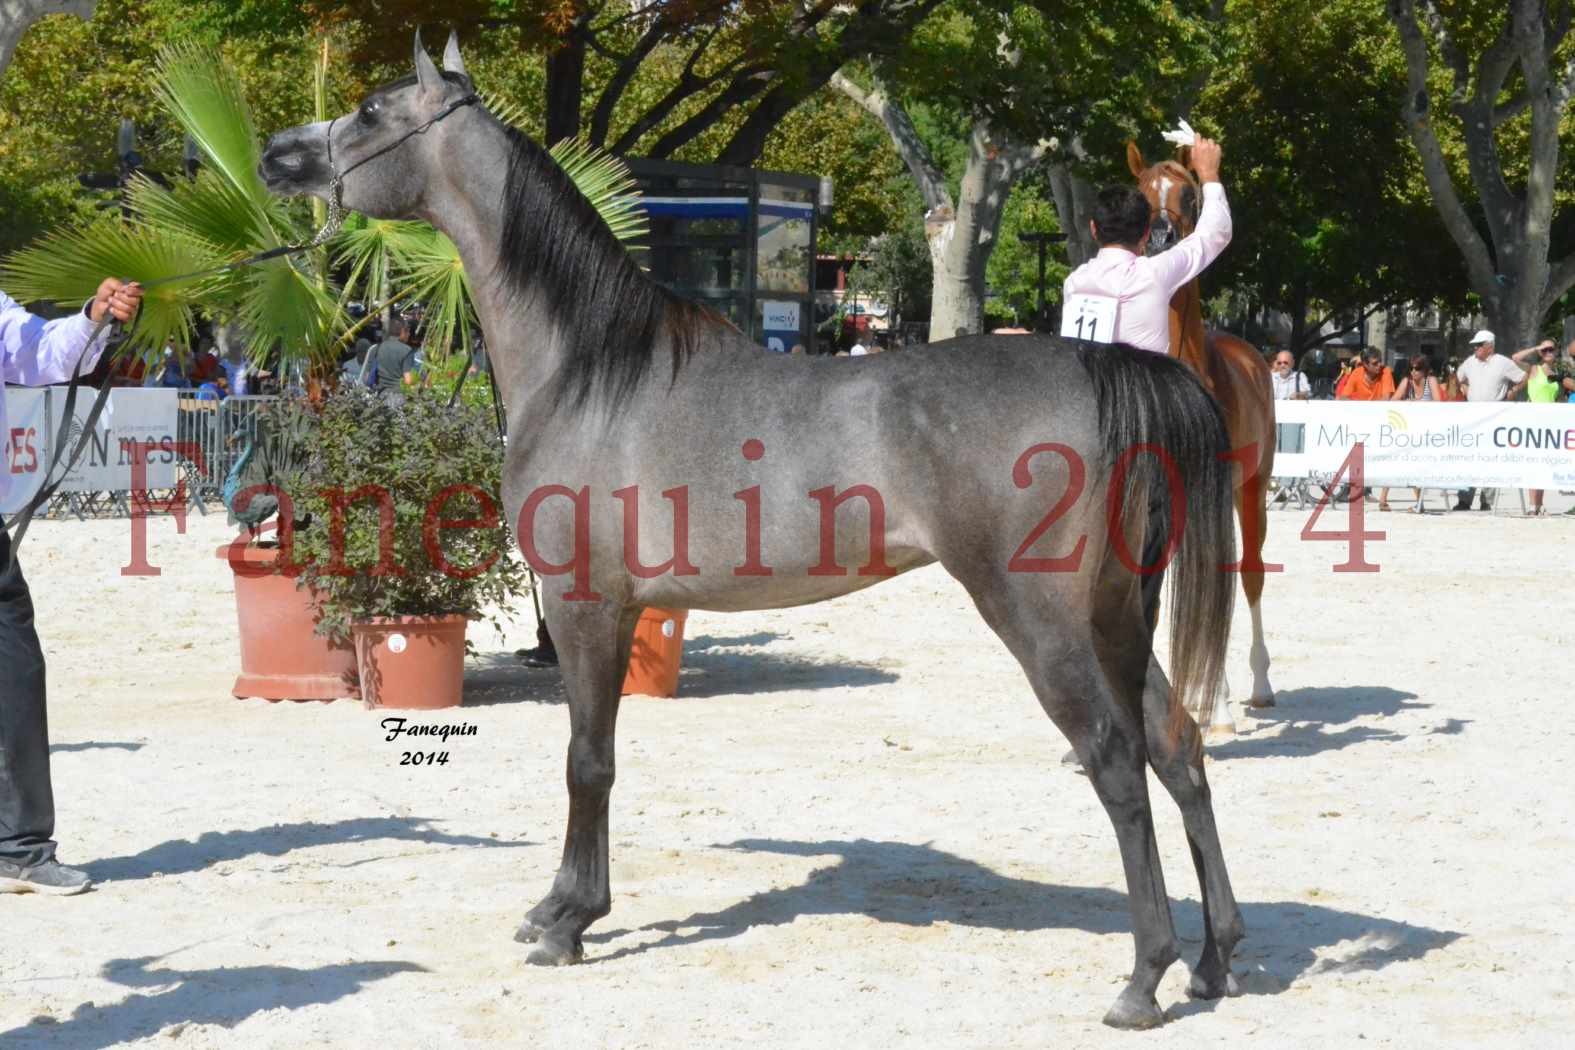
(1121, 215)
(1371, 354)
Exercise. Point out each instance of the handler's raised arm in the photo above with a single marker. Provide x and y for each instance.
(1178, 265)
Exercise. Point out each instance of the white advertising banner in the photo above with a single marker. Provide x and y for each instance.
(22, 446)
(1448, 445)
(132, 415)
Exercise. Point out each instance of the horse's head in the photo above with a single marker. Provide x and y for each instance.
(1173, 196)
(383, 151)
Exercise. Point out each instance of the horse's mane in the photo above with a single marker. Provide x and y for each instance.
(610, 312)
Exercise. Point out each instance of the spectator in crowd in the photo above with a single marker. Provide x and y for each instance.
(168, 371)
(798, 348)
(1289, 384)
(1417, 384)
(1369, 380)
(204, 366)
(1487, 376)
(1451, 383)
(215, 389)
(396, 359)
(237, 371)
(1544, 384)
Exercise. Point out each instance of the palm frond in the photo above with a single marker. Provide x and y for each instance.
(202, 92)
(67, 266)
(210, 208)
(430, 267)
(282, 306)
(608, 184)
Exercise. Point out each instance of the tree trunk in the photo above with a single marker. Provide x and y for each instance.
(1074, 206)
(1298, 306)
(17, 16)
(960, 249)
(565, 88)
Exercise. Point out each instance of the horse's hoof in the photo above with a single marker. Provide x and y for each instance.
(1266, 700)
(549, 952)
(528, 933)
(1133, 1012)
(1214, 734)
(1201, 987)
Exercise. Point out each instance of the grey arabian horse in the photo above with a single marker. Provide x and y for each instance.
(657, 457)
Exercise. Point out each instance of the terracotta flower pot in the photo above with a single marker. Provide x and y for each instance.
(282, 658)
(657, 654)
(411, 661)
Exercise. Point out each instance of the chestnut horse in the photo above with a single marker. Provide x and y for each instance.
(1236, 373)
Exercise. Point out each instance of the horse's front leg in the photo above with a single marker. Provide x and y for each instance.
(593, 642)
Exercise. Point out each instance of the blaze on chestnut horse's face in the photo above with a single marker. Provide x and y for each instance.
(1173, 194)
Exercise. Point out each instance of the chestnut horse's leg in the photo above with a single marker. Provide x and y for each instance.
(1179, 766)
(593, 641)
(1252, 499)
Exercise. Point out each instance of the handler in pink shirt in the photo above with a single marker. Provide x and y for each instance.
(1140, 285)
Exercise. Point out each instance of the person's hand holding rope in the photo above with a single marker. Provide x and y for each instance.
(117, 298)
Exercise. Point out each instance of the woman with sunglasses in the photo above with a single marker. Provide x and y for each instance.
(1418, 384)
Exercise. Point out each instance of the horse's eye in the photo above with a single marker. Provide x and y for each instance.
(368, 113)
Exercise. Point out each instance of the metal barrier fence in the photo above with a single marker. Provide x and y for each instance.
(212, 436)
(220, 432)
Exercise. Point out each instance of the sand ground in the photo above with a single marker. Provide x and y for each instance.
(849, 830)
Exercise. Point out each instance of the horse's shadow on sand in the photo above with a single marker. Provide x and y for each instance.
(725, 665)
(1310, 721)
(912, 885)
(224, 996)
(182, 856)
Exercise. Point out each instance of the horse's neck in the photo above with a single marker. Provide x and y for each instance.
(523, 346)
(1187, 340)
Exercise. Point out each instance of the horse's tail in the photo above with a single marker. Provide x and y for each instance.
(1151, 402)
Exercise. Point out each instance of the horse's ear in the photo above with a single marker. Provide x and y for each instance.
(427, 75)
(451, 60)
(1135, 159)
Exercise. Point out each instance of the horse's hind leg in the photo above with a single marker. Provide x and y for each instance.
(1052, 641)
(1179, 765)
(593, 651)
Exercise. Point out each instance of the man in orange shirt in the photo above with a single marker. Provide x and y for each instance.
(1369, 381)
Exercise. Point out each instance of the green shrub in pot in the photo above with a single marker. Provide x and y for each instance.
(405, 518)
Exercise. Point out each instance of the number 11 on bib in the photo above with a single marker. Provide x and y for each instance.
(1090, 318)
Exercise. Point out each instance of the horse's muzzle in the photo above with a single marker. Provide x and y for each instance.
(289, 163)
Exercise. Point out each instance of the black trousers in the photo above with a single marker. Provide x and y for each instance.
(27, 802)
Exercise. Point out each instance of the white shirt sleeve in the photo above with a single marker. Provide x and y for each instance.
(1176, 266)
(34, 352)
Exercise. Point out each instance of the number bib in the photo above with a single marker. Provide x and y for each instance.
(1091, 318)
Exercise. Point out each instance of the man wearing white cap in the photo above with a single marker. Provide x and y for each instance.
(1486, 376)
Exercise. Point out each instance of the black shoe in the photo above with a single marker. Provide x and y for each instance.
(51, 877)
(1461, 506)
(541, 656)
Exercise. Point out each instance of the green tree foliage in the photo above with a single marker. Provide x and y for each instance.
(896, 274)
(1330, 210)
(1013, 273)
